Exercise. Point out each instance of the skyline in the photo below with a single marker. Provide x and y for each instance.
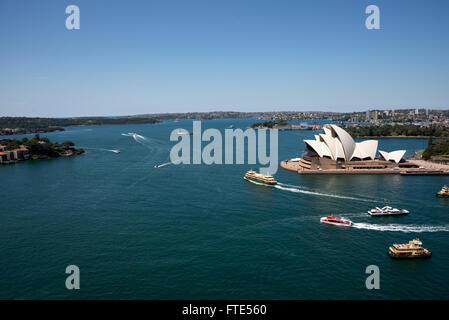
(201, 56)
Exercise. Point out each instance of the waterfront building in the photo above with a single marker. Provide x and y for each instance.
(3, 157)
(335, 151)
(21, 154)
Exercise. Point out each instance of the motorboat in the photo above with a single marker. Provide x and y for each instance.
(387, 211)
(336, 221)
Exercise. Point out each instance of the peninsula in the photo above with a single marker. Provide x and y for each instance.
(13, 150)
(336, 152)
(23, 125)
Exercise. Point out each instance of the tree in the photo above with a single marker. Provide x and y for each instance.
(67, 144)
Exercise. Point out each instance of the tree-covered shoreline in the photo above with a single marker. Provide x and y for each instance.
(398, 130)
(269, 124)
(42, 147)
(24, 125)
(437, 148)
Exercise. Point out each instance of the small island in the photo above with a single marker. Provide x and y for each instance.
(282, 125)
(269, 124)
(14, 150)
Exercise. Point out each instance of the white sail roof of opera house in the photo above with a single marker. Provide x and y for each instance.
(336, 143)
(395, 156)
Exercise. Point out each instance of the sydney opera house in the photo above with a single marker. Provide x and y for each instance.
(335, 151)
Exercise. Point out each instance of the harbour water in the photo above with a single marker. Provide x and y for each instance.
(203, 232)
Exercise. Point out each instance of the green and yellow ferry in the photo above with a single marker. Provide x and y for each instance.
(260, 178)
(444, 192)
(412, 249)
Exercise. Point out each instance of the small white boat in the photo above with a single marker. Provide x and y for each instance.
(387, 211)
(184, 133)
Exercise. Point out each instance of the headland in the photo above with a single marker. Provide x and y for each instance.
(335, 152)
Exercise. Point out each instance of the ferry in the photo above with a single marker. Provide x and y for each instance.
(410, 250)
(260, 178)
(444, 192)
(387, 211)
(336, 221)
(304, 126)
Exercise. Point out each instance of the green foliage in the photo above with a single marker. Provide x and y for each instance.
(67, 144)
(30, 125)
(39, 146)
(269, 124)
(437, 148)
(398, 130)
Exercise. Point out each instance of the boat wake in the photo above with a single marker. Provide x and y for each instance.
(162, 165)
(401, 228)
(258, 183)
(299, 190)
(137, 137)
(101, 149)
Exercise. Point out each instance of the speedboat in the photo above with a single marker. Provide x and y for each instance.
(387, 211)
(336, 221)
(184, 133)
(116, 151)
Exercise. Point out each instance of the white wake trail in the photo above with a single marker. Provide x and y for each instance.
(138, 138)
(401, 228)
(258, 183)
(163, 165)
(297, 190)
(100, 149)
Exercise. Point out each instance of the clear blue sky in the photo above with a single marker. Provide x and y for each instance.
(133, 57)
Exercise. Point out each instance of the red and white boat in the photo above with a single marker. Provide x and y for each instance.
(337, 221)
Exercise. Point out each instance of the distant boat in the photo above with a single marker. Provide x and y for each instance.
(184, 133)
(116, 151)
(444, 192)
(231, 126)
(304, 126)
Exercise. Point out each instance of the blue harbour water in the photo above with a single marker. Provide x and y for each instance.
(203, 232)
